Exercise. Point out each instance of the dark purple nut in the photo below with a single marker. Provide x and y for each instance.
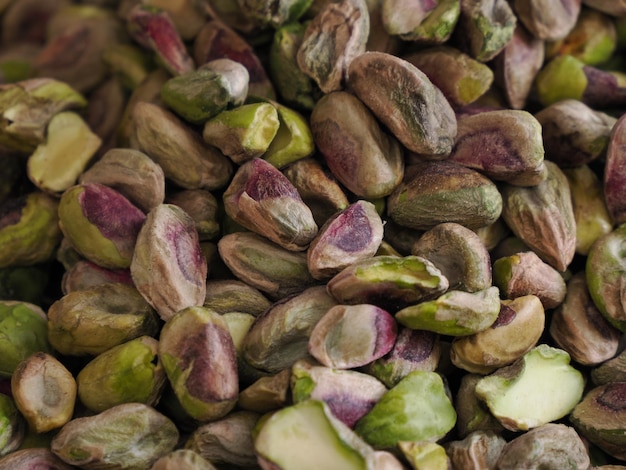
(168, 266)
(85, 274)
(267, 393)
(153, 29)
(546, 20)
(335, 36)
(613, 370)
(579, 328)
(318, 188)
(506, 145)
(440, 191)
(33, 457)
(216, 40)
(479, 449)
(472, 414)
(199, 357)
(280, 336)
(360, 154)
(412, 350)
(458, 253)
(186, 160)
(203, 208)
(262, 199)
(26, 21)
(610, 7)
(525, 273)
(349, 394)
(573, 133)
(391, 282)
(130, 172)
(517, 65)
(188, 16)
(352, 235)
(461, 78)
(349, 336)
(101, 224)
(404, 99)
(542, 217)
(615, 173)
(486, 27)
(424, 21)
(231, 295)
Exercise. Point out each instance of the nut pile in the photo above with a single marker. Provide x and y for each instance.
(312, 234)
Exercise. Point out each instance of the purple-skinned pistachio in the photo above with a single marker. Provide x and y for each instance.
(479, 449)
(262, 199)
(546, 20)
(425, 21)
(352, 235)
(168, 266)
(188, 16)
(349, 336)
(348, 393)
(152, 28)
(32, 458)
(199, 358)
(615, 173)
(85, 274)
(101, 224)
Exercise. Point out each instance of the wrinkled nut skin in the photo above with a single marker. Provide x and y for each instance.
(546, 20)
(200, 361)
(231, 295)
(613, 370)
(203, 207)
(480, 449)
(267, 393)
(33, 458)
(85, 274)
(421, 21)
(615, 174)
(182, 459)
(12, 426)
(389, 86)
(360, 154)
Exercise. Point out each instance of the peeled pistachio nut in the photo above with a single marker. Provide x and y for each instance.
(23, 332)
(412, 350)
(203, 208)
(480, 449)
(613, 370)
(182, 459)
(517, 65)
(100, 223)
(348, 393)
(461, 78)
(317, 187)
(422, 21)
(525, 273)
(262, 199)
(614, 174)
(29, 229)
(44, 392)
(12, 426)
(227, 441)
(202, 367)
(426, 125)
(91, 321)
(441, 191)
(264, 265)
(56, 164)
(103, 440)
(290, 436)
(425, 454)
(516, 331)
(230, 295)
(580, 329)
(487, 27)
(352, 235)
(267, 393)
(129, 372)
(85, 274)
(335, 36)
(472, 414)
(360, 154)
(415, 409)
(33, 457)
(599, 417)
(547, 21)
(280, 336)
(152, 28)
(548, 446)
(389, 281)
(188, 16)
(168, 267)
(349, 336)
(538, 388)
(131, 173)
(168, 141)
(274, 13)
(506, 145)
(455, 313)
(458, 253)
(543, 217)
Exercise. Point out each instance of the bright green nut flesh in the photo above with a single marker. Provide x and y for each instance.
(562, 78)
(293, 140)
(12, 425)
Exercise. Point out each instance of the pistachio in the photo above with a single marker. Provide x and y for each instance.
(614, 174)
(274, 13)
(12, 426)
(41, 456)
(423, 21)
(203, 208)
(187, 16)
(480, 449)
(267, 393)
(182, 459)
(425, 454)
(26, 21)
(613, 370)
(472, 413)
(230, 295)
(85, 274)
(130, 63)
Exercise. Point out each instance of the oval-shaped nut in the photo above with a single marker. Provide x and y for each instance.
(545, 20)
(615, 174)
(91, 321)
(33, 457)
(350, 336)
(44, 391)
(543, 217)
(442, 191)
(267, 393)
(230, 295)
(359, 153)
(390, 87)
(85, 274)
(103, 440)
(480, 449)
(516, 331)
(262, 199)
(458, 253)
(202, 206)
(199, 358)
(101, 224)
(421, 21)
(350, 236)
(613, 370)
(168, 267)
(182, 459)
